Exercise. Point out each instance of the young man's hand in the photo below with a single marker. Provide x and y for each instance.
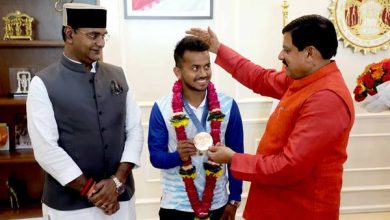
(186, 149)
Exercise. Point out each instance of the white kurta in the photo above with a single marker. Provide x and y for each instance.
(125, 212)
(54, 160)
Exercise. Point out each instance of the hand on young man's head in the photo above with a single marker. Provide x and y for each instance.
(208, 36)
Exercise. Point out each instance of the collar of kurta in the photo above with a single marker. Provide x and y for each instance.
(330, 68)
(76, 67)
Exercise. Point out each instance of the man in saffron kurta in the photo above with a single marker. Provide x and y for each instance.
(297, 170)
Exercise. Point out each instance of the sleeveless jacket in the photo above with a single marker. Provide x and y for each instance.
(90, 112)
(317, 196)
(292, 177)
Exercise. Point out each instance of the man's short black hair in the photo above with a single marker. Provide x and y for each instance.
(63, 33)
(189, 43)
(313, 30)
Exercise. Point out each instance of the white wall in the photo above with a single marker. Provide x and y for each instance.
(144, 48)
(252, 27)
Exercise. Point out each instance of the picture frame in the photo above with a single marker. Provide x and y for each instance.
(4, 137)
(362, 25)
(22, 138)
(19, 80)
(168, 9)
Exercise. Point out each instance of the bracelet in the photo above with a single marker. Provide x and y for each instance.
(91, 189)
(87, 187)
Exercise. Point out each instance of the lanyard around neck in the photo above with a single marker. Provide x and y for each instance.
(200, 126)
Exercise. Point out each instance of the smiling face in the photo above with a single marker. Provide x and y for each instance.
(85, 44)
(194, 71)
(296, 62)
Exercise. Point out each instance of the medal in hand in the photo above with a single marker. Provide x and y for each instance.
(203, 141)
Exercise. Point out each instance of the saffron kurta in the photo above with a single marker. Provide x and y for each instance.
(297, 171)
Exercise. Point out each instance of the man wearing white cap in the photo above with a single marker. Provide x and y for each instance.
(85, 126)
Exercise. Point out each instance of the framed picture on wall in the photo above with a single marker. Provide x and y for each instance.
(22, 138)
(4, 137)
(168, 9)
(19, 79)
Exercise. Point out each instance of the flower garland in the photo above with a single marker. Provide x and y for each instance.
(187, 171)
(368, 81)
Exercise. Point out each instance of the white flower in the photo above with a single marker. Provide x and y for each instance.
(379, 102)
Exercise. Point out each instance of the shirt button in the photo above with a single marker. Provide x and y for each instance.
(100, 112)
(103, 129)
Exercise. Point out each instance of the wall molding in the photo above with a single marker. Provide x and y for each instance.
(367, 169)
(147, 201)
(365, 208)
(365, 188)
(365, 135)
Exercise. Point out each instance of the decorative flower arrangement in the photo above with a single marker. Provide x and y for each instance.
(187, 171)
(373, 75)
(373, 86)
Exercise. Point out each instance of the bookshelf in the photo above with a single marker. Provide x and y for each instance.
(45, 49)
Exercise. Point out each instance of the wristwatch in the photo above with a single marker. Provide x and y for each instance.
(120, 187)
(235, 203)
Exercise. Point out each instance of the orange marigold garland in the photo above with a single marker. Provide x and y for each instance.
(187, 171)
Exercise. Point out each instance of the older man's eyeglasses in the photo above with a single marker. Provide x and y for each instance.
(96, 36)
